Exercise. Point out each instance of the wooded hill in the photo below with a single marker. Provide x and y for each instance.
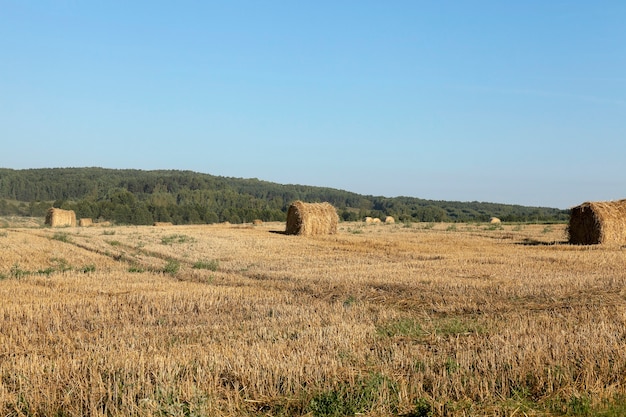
(185, 197)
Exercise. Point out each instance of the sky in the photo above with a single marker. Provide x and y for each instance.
(516, 102)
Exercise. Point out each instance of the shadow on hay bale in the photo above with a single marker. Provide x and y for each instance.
(308, 219)
(598, 223)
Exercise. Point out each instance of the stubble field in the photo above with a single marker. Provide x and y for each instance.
(226, 320)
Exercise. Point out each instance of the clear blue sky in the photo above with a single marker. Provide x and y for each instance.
(519, 102)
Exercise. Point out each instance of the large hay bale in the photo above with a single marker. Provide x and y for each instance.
(162, 224)
(257, 222)
(85, 222)
(598, 222)
(376, 220)
(308, 219)
(495, 220)
(390, 220)
(60, 218)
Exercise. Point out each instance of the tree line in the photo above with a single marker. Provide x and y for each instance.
(186, 197)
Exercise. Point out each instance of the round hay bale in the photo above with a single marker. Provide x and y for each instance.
(308, 219)
(598, 223)
(376, 220)
(85, 222)
(368, 220)
(390, 220)
(495, 220)
(257, 222)
(57, 217)
(162, 224)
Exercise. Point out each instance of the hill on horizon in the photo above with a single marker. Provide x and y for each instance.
(133, 196)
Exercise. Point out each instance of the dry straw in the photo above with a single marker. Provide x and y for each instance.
(59, 218)
(598, 222)
(310, 219)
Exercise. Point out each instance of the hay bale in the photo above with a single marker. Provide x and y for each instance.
(376, 220)
(308, 219)
(598, 222)
(390, 220)
(495, 220)
(85, 222)
(60, 218)
(162, 224)
(368, 220)
(257, 222)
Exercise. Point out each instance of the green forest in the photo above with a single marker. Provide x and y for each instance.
(185, 197)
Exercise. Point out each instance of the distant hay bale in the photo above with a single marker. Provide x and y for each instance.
(368, 220)
(390, 220)
(308, 219)
(162, 224)
(85, 222)
(257, 222)
(495, 220)
(376, 220)
(60, 218)
(598, 223)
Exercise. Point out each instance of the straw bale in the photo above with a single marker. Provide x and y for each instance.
(85, 222)
(495, 220)
(389, 220)
(162, 224)
(257, 222)
(368, 220)
(376, 220)
(310, 219)
(60, 218)
(598, 222)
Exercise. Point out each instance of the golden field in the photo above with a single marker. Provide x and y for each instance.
(229, 320)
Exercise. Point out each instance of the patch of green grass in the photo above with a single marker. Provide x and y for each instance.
(495, 226)
(17, 272)
(455, 326)
(404, 327)
(168, 240)
(451, 228)
(172, 267)
(136, 269)
(547, 229)
(61, 264)
(423, 408)
(62, 237)
(48, 271)
(88, 268)
(352, 399)
(108, 232)
(350, 301)
(212, 265)
(114, 242)
(4, 234)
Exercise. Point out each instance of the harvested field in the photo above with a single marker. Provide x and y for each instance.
(431, 319)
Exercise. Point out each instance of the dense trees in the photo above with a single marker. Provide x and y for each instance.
(184, 197)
